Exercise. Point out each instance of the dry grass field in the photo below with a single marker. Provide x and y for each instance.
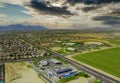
(19, 72)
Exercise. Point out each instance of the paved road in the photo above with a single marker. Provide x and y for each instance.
(101, 76)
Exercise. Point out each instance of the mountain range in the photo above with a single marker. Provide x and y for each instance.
(19, 27)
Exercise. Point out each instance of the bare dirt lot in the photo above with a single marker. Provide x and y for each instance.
(21, 72)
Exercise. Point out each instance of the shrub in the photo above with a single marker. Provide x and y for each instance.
(97, 81)
(83, 74)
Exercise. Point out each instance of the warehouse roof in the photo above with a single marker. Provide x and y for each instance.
(55, 61)
(63, 70)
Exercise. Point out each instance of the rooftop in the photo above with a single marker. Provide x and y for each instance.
(63, 70)
(55, 61)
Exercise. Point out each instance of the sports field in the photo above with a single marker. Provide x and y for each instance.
(106, 60)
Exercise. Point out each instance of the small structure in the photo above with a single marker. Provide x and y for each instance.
(58, 41)
(49, 73)
(70, 44)
(55, 61)
(43, 63)
(95, 43)
(71, 49)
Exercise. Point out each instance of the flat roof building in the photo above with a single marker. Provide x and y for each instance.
(63, 70)
(55, 61)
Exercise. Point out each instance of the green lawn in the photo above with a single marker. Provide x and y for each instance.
(106, 60)
(115, 41)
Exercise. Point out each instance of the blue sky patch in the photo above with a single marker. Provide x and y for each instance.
(13, 12)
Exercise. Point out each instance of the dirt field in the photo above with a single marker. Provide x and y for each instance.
(82, 80)
(19, 72)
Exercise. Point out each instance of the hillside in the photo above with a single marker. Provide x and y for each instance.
(20, 27)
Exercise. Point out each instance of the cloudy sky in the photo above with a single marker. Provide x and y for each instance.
(61, 14)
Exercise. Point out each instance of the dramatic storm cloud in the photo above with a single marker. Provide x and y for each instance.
(62, 14)
(109, 20)
(92, 1)
(106, 1)
(87, 9)
(48, 9)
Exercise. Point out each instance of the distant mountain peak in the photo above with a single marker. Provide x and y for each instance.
(18, 27)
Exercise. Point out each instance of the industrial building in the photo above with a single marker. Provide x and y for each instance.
(66, 72)
(55, 61)
(55, 69)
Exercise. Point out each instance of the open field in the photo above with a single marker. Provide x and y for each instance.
(106, 60)
(56, 48)
(21, 72)
(115, 41)
(81, 80)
